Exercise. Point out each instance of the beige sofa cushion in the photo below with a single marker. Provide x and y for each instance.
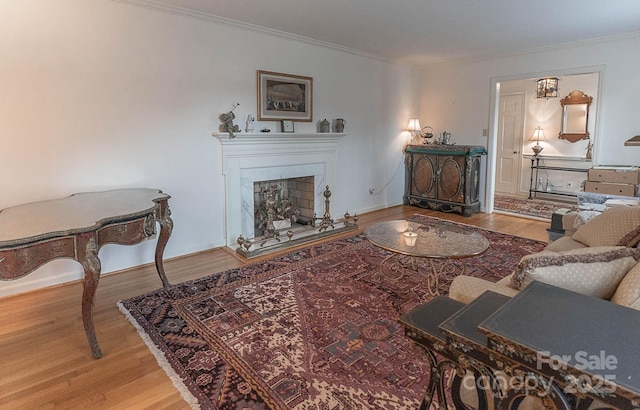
(628, 291)
(594, 271)
(617, 226)
(466, 288)
(565, 243)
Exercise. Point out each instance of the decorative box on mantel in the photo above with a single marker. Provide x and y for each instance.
(443, 177)
(262, 156)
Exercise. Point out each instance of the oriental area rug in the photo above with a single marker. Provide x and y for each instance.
(316, 328)
(538, 208)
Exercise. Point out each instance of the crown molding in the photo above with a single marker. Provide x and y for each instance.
(552, 47)
(181, 11)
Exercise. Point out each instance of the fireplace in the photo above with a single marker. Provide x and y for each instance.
(294, 200)
(251, 158)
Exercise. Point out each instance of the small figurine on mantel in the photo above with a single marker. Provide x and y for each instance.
(250, 120)
(589, 151)
(227, 122)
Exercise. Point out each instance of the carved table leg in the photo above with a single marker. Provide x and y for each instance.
(87, 255)
(166, 227)
(433, 380)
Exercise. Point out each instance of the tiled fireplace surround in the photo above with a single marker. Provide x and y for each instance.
(250, 158)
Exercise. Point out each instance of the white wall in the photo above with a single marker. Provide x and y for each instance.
(100, 95)
(456, 97)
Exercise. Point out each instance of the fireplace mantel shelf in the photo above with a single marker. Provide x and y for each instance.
(277, 137)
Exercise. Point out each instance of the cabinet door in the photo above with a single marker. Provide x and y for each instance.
(451, 181)
(424, 176)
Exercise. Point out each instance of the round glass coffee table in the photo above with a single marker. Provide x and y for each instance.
(412, 242)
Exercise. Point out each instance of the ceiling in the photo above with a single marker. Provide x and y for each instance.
(424, 32)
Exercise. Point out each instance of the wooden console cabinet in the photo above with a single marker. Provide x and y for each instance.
(443, 177)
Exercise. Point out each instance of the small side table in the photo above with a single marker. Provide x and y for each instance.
(573, 344)
(461, 332)
(421, 325)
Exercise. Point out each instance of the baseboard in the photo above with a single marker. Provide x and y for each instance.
(27, 284)
(50, 275)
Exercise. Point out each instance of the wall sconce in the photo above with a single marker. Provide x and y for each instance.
(417, 130)
(547, 87)
(537, 136)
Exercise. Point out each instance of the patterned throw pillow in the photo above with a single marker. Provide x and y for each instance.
(628, 292)
(594, 271)
(617, 226)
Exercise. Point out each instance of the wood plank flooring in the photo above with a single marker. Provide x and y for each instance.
(45, 360)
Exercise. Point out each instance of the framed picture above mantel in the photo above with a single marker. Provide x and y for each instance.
(284, 97)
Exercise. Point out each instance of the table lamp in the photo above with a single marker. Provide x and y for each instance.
(537, 136)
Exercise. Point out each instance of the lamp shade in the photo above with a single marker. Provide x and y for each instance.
(538, 135)
(414, 125)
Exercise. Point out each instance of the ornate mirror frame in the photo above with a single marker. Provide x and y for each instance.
(575, 116)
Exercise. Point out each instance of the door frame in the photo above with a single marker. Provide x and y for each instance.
(494, 101)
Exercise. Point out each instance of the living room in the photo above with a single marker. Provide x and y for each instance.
(106, 94)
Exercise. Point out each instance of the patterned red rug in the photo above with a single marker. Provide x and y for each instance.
(538, 208)
(313, 329)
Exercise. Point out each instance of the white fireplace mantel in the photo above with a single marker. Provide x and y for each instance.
(253, 157)
(243, 138)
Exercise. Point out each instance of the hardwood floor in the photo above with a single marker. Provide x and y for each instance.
(45, 359)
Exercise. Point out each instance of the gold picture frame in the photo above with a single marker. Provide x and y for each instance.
(284, 97)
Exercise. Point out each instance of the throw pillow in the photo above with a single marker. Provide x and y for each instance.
(594, 271)
(628, 292)
(617, 226)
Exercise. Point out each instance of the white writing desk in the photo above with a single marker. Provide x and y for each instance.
(76, 227)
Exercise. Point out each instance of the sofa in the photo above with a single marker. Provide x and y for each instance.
(598, 256)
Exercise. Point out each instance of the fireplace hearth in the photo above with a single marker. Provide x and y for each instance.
(272, 239)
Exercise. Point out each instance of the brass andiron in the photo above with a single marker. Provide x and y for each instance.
(350, 220)
(326, 221)
(270, 231)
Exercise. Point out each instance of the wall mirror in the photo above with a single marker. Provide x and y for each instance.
(575, 116)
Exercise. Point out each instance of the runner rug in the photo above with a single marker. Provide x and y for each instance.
(538, 208)
(315, 328)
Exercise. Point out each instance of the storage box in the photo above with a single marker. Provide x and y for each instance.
(615, 176)
(611, 189)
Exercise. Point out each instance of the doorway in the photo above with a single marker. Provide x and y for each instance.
(506, 173)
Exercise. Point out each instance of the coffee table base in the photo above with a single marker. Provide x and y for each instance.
(395, 266)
